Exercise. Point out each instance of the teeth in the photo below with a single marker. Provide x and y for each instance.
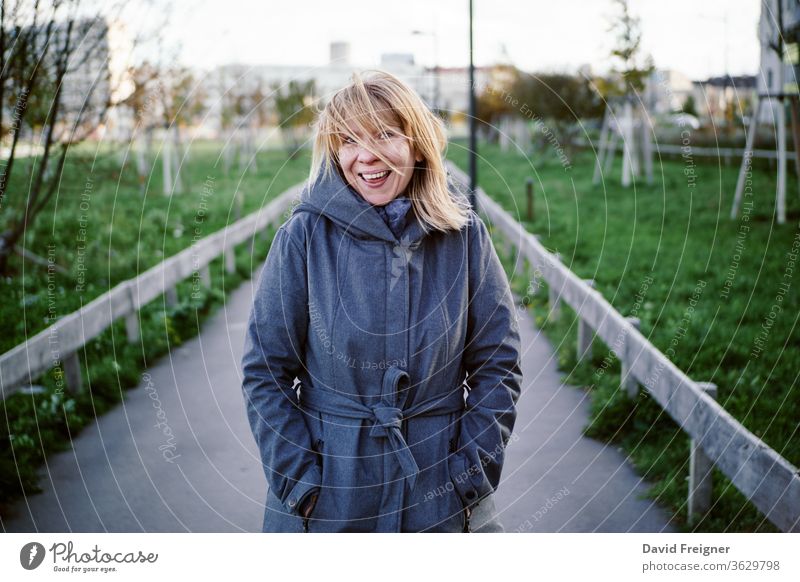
(375, 176)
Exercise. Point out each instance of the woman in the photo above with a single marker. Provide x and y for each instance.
(383, 296)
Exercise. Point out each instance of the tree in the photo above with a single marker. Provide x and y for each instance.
(689, 106)
(52, 92)
(181, 104)
(560, 100)
(144, 102)
(497, 100)
(294, 109)
(631, 69)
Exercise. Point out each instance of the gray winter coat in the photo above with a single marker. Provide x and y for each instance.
(407, 355)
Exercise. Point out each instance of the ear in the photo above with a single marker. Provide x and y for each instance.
(418, 157)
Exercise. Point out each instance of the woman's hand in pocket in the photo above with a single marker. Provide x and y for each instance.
(309, 504)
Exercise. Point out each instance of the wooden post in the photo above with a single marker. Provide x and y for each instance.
(611, 151)
(230, 261)
(72, 372)
(132, 327)
(647, 146)
(747, 158)
(554, 298)
(780, 198)
(598, 164)
(238, 203)
(585, 334)
(700, 467)
(205, 276)
(171, 296)
(176, 168)
(793, 108)
(627, 381)
(166, 162)
(627, 145)
(132, 319)
(514, 255)
(529, 195)
(634, 148)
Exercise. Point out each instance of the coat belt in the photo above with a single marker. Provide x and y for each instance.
(387, 417)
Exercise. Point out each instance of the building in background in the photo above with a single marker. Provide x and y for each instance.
(778, 75)
(667, 91)
(725, 99)
(447, 85)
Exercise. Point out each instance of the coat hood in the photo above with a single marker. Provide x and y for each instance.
(332, 197)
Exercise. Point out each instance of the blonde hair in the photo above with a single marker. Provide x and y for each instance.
(373, 102)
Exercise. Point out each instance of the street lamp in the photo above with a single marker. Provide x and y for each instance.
(473, 123)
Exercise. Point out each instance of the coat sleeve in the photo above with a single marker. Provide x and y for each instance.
(273, 357)
(491, 359)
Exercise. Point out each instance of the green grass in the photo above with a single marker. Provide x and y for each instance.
(125, 233)
(705, 306)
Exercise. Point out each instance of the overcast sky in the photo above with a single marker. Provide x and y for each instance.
(538, 35)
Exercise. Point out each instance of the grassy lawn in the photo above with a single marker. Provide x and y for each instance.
(718, 296)
(103, 230)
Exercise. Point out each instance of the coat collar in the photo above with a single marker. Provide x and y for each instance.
(332, 197)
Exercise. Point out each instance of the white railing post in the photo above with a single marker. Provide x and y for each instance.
(171, 296)
(700, 467)
(132, 319)
(72, 372)
(205, 276)
(585, 334)
(230, 261)
(554, 297)
(627, 382)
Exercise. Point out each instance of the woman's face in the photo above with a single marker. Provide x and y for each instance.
(367, 174)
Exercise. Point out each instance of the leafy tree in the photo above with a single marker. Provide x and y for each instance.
(689, 106)
(294, 109)
(496, 100)
(631, 69)
(558, 100)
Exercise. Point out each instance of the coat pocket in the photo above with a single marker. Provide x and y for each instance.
(316, 446)
(452, 446)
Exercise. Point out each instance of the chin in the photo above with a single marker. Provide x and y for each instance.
(379, 199)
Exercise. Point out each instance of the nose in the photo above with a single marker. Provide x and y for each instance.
(365, 156)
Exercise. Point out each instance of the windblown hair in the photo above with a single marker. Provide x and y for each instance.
(373, 102)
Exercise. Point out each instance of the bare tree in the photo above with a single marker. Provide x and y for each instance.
(181, 104)
(54, 91)
(144, 102)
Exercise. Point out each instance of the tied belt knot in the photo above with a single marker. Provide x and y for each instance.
(387, 418)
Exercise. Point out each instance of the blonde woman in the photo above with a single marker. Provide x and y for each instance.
(383, 296)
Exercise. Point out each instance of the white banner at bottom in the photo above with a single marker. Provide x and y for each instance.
(400, 557)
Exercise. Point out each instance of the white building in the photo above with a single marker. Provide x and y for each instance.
(97, 78)
(777, 75)
(666, 91)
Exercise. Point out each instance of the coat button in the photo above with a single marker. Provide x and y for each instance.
(471, 494)
(292, 503)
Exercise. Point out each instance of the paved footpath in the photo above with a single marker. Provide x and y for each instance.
(124, 474)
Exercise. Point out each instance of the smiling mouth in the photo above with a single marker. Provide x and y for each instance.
(375, 178)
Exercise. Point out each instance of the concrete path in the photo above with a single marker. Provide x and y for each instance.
(178, 454)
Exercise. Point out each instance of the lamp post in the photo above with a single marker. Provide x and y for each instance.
(473, 125)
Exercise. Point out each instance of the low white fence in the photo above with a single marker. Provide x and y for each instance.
(58, 345)
(769, 481)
